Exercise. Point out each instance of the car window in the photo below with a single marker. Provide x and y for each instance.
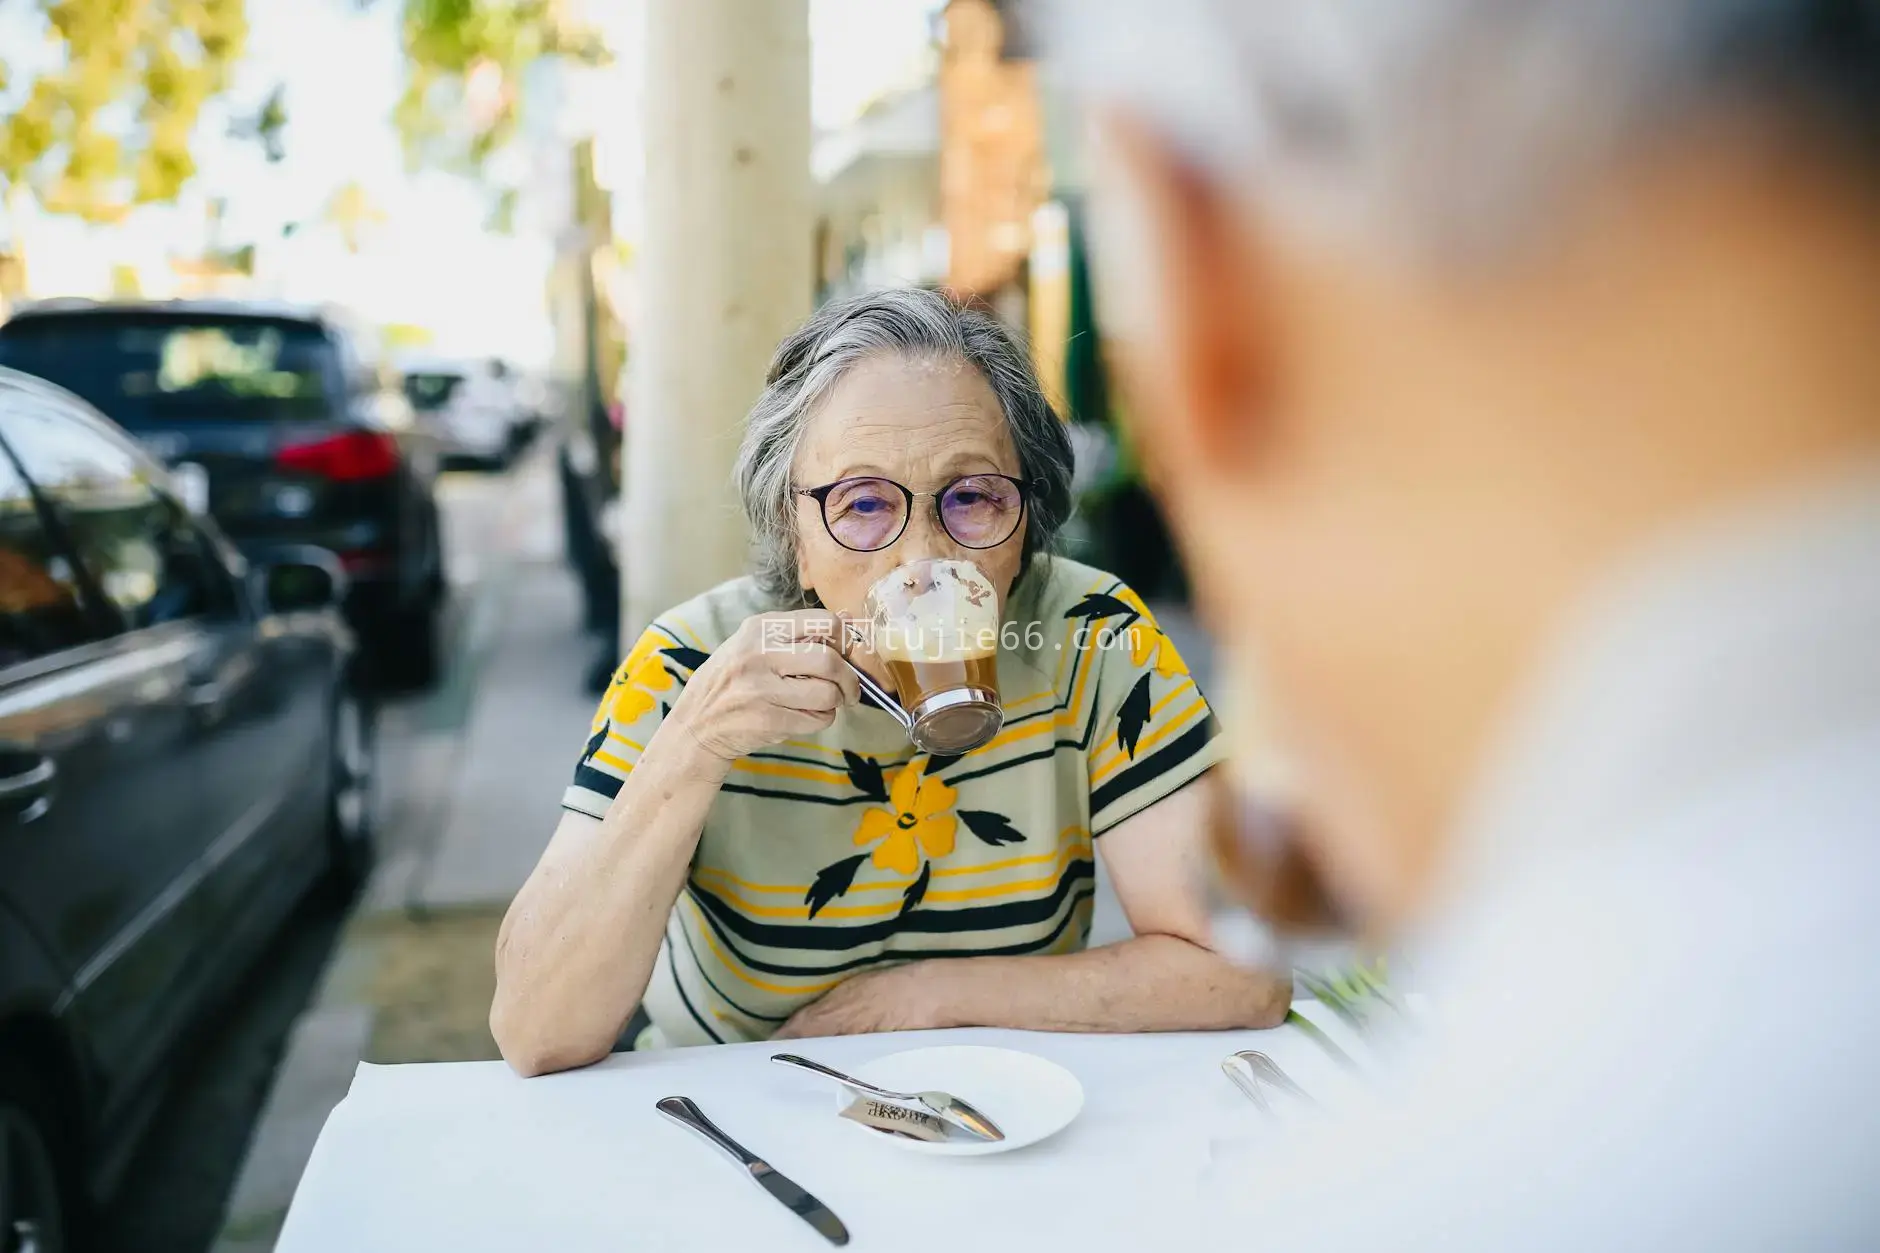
(148, 370)
(41, 606)
(429, 391)
(136, 542)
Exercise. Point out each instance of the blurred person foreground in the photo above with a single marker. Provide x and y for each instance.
(1507, 371)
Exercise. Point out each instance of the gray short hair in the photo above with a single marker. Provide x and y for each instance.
(1440, 124)
(907, 322)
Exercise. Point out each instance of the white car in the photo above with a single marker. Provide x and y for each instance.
(470, 406)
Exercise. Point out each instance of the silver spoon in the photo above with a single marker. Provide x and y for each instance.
(1241, 1075)
(880, 696)
(1268, 1069)
(945, 1104)
(852, 637)
(1249, 1070)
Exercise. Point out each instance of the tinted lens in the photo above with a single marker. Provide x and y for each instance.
(982, 510)
(865, 514)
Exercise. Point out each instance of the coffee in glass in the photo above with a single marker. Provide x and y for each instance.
(935, 627)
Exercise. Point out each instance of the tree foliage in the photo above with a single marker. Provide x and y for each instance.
(107, 123)
(466, 61)
(352, 212)
(267, 125)
(99, 117)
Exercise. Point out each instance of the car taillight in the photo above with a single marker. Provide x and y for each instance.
(361, 563)
(343, 458)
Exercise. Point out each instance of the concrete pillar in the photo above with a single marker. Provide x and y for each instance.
(724, 270)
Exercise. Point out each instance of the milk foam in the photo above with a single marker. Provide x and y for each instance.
(935, 611)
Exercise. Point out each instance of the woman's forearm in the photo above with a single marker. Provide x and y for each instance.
(1147, 983)
(578, 944)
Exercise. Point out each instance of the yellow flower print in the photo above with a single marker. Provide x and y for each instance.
(1147, 644)
(641, 675)
(917, 822)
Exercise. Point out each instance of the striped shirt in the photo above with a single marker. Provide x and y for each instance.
(848, 850)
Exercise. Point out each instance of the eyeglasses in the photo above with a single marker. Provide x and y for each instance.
(865, 515)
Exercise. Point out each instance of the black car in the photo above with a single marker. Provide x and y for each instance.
(183, 755)
(280, 423)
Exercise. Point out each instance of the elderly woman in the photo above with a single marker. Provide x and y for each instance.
(749, 851)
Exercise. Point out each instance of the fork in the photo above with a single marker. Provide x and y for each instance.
(948, 1107)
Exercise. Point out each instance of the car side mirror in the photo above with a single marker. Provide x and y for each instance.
(302, 581)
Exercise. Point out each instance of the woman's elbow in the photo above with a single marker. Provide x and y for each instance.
(1271, 999)
(528, 1047)
(1250, 997)
(531, 1052)
(532, 1060)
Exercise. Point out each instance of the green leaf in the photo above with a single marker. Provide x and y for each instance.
(1328, 995)
(111, 119)
(991, 828)
(1098, 606)
(865, 774)
(1296, 1019)
(832, 881)
(917, 890)
(1133, 717)
(466, 62)
(690, 658)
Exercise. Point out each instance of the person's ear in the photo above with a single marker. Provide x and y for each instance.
(1183, 291)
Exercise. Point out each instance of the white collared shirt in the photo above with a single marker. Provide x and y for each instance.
(1658, 964)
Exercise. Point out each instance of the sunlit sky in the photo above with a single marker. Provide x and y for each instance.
(432, 262)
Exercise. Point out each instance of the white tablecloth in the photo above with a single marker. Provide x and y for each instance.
(465, 1158)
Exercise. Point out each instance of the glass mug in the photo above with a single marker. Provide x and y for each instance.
(934, 624)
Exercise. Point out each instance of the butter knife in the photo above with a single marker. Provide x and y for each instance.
(687, 1114)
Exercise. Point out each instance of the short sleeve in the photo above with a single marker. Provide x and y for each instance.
(638, 698)
(1153, 732)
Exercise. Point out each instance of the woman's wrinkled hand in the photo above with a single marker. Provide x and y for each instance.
(778, 676)
(901, 998)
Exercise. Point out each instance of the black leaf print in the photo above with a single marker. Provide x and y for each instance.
(917, 890)
(665, 710)
(1096, 606)
(991, 828)
(936, 764)
(594, 744)
(832, 881)
(689, 659)
(865, 774)
(1133, 717)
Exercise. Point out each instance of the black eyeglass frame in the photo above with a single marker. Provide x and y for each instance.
(1025, 488)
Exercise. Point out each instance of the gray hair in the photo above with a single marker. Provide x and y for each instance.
(906, 322)
(1433, 125)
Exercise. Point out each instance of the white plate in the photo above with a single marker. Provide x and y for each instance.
(1028, 1097)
